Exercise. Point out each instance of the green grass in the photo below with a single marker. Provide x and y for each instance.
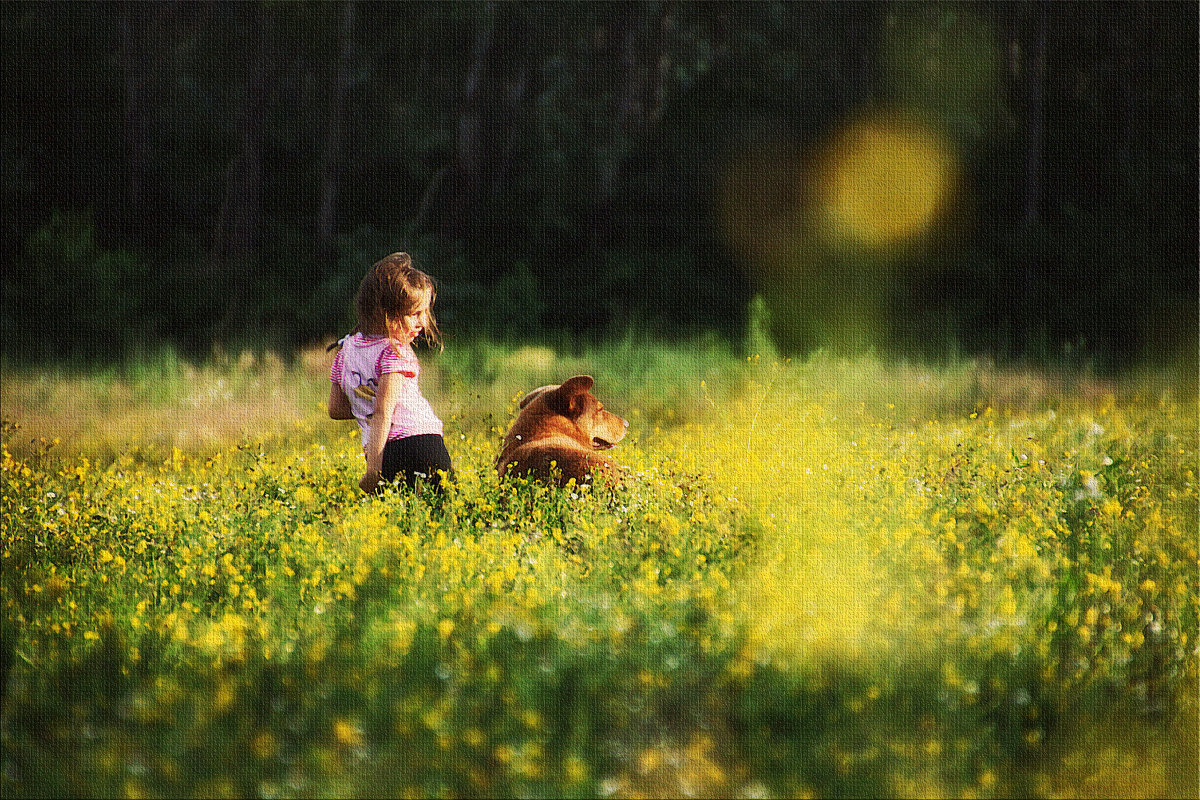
(834, 577)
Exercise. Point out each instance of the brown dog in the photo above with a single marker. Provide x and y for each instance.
(557, 434)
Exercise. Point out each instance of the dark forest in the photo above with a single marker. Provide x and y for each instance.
(190, 174)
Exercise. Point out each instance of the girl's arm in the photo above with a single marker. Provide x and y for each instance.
(339, 404)
(386, 398)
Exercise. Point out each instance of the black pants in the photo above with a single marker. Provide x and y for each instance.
(417, 459)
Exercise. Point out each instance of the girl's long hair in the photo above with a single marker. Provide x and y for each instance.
(394, 288)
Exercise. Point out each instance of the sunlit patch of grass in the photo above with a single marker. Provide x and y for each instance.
(155, 406)
(823, 578)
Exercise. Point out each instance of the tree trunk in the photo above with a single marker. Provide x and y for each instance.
(239, 226)
(643, 63)
(857, 26)
(331, 163)
(142, 42)
(1035, 118)
(514, 99)
(489, 120)
(464, 174)
(657, 89)
(134, 63)
(1035, 133)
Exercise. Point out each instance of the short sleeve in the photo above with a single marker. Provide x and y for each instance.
(405, 363)
(335, 373)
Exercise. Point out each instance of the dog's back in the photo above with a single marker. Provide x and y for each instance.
(558, 433)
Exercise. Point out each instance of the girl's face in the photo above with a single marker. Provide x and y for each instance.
(409, 327)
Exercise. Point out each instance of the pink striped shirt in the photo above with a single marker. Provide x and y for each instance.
(357, 368)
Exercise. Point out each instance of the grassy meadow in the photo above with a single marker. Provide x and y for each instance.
(824, 578)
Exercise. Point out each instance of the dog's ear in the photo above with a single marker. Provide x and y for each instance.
(535, 394)
(577, 385)
(567, 399)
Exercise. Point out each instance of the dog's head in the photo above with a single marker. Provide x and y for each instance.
(574, 400)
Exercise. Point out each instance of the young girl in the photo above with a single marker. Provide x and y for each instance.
(375, 373)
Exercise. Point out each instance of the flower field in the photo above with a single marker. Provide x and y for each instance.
(822, 579)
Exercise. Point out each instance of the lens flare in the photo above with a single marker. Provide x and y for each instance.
(823, 231)
(883, 181)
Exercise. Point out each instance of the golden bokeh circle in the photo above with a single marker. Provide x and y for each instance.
(883, 181)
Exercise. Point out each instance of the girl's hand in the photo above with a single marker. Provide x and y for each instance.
(370, 481)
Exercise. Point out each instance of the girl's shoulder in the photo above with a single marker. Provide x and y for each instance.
(362, 340)
(400, 358)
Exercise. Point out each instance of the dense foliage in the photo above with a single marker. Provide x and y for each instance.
(192, 172)
(828, 578)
